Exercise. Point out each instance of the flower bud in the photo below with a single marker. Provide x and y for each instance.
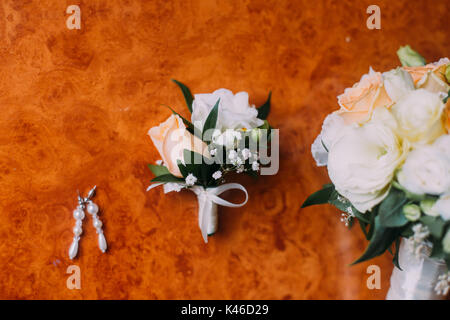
(410, 58)
(411, 212)
(446, 242)
(256, 134)
(427, 207)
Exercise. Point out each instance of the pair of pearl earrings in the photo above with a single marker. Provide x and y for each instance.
(78, 214)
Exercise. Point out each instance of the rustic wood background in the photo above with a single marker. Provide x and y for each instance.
(76, 106)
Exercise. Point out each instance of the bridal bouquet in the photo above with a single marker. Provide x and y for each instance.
(387, 150)
(224, 135)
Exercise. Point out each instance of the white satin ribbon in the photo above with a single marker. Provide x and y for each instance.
(418, 278)
(208, 199)
(150, 187)
(207, 211)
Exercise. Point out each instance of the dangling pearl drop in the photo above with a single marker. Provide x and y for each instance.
(92, 208)
(78, 214)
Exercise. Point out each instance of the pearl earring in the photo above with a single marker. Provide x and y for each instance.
(78, 214)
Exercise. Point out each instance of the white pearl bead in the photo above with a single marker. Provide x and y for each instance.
(78, 214)
(92, 208)
(77, 231)
(97, 224)
(73, 250)
(102, 242)
(79, 223)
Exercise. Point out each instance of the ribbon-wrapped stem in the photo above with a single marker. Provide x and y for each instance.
(418, 277)
(207, 214)
(208, 199)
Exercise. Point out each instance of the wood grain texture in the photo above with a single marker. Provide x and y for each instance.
(76, 106)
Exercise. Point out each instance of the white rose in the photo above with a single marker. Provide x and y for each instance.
(442, 206)
(420, 116)
(425, 171)
(234, 110)
(332, 129)
(398, 83)
(229, 138)
(382, 115)
(443, 145)
(362, 163)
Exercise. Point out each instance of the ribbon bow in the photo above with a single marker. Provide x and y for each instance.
(208, 199)
(207, 211)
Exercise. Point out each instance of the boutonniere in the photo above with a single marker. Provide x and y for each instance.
(224, 135)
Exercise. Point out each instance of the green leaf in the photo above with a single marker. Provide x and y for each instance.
(192, 158)
(345, 205)
(409, 195)
(257, 133)
(395, 260)
(186, 122)
(189, 126)
(184, 171)
(437, 251)
(252, 174)
(265, 125)
(371, 217)
(381, 240)
(390, 250)
(193, 162)
(211, 120)
(263, 111)
(435, 224)
(407, 231)
(350, 223)
(447, 261)
(391, 209)
(205, 175)
(167, 178)
(363, 226)
(158, 170)
(186, 93)
(410, 58)
(448, 94)
(319, 197)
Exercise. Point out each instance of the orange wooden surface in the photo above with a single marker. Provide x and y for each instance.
(76, 106)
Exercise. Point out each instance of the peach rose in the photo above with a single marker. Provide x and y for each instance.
(437, 67)
(171, 138)
(358, 102)
(431, 76)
